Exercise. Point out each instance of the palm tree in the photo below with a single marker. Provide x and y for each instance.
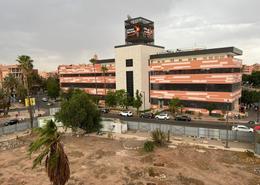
(94, 61)
(174, 105)
(56, 160)
(26, 64)
(104, 69)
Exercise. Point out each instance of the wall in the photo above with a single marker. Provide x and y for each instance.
(140, 55)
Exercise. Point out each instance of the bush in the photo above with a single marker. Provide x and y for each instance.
(148, 146)
(159, 137)
(249, 153)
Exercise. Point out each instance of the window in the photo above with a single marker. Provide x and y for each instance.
(87, 74)
(197, 87)
(89, 85)
(195, 104)
(129, 62)
(130, 83)
(180, 60)
(197, 71)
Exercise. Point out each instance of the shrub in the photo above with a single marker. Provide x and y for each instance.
(249, 153)
(159, 137)
(148, 146)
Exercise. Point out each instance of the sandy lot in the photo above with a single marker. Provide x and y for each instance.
(98, 161)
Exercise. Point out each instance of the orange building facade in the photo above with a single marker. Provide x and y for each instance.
(199, 78)
(88, 77)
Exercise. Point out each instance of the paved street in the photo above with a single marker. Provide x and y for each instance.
(193, 123)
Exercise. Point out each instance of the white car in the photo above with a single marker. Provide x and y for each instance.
(162, 117)
(242, 128)
(44, 99)
(126, 113)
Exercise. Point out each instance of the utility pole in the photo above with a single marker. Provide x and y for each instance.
(144, 99)
(227, 126)
(258, 111)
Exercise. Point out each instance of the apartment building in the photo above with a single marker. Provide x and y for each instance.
(198, 77)
(89, 77)
(15, 70)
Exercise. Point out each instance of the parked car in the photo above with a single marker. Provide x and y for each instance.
(11, 122)
(147, 115)
(242, 128)
(44, 99)
(126, 113)
(162, 116)
(104, 110)
(256, 128)
(252, 122)
(49, 103)
(182, 118)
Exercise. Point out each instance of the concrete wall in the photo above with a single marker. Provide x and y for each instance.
(140, 55)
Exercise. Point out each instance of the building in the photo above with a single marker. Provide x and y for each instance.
(198, 77)
(46, 75)
(14, 69)
(256, 67)
(89, 77)
(247, 69)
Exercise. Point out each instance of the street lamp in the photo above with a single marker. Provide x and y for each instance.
(258, 112)
(144, 98)
(227, 125)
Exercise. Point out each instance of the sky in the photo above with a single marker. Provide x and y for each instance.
(55, 32)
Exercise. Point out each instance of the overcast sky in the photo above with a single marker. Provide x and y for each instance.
(57, 32)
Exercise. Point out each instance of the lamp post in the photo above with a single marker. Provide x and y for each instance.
(258, 111)
(144, 98)
(227, 126)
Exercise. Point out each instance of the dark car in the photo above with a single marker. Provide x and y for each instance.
(182, 118)
(147, 115)
(11, 122)
(104, 110)
(252, 122)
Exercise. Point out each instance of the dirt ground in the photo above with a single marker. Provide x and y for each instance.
(98, 161)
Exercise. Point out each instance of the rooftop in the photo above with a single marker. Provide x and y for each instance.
(178, 53)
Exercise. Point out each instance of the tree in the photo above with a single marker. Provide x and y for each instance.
(21, 92)
(4, 102)
(9, 87)
(50, 147)
(122, 99)
(174, 105)
(137, 103)
(210, 107)
(26, 64)
(80, 112)
(53, 87)
(104, 69)
(110, 99)
(250, 96)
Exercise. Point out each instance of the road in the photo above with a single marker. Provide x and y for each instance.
(193, 123)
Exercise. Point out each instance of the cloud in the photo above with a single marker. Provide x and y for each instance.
(57, 32)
